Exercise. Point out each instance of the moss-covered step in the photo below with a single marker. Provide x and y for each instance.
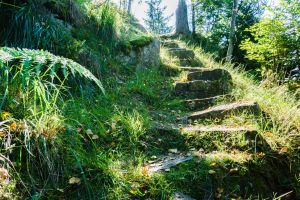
(182, 53)
(210, 74)
(205, 103)
(203, 88)
(219, 112)
(169, 44)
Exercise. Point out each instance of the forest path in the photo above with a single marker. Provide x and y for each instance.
(206, 94)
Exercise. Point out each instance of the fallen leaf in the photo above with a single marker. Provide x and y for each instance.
(13, 126)
(89, 132)
(74, 181)
(173, 150)
(95, 137)
(3, 174)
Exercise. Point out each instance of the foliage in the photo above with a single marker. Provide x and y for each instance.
(31, 26)
(156, 21)
(213, 25)
(40, 75)
(274, 41)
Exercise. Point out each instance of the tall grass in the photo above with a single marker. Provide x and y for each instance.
(37, 76)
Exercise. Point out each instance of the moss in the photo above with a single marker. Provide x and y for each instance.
(141, 41)
(136, 43)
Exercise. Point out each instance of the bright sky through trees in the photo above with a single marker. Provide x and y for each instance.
(139, 9)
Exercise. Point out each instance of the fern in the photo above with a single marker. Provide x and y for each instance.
(38, 73)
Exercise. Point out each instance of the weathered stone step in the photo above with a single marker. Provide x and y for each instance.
(219, 129)
(202, 88)
(181, 196)
(206, 129)
(182, 53)
(205, 103)
(169, 44)
(209, 74)
(164, 163)
(190, 69)
(222, 110)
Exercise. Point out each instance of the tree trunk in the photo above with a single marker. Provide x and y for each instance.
(129, 6)
(232, 31)
(193, 17)
(182, 25)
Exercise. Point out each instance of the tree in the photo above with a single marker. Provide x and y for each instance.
(274, 42)
(213, 21)
(193, 16)
(156, 21)
(182, 25)
(232, 30)
(129, 6)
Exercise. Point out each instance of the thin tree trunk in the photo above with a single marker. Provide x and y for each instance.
(232, 31)
(193, 17)
(129, 6)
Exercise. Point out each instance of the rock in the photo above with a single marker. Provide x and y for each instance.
(142, 57)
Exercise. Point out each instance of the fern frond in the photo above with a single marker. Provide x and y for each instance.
(40, 64)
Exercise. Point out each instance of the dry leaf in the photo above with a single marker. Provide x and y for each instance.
(89, 132)
(74, 180)
(95, 137)
(173, 150)
(3, 174)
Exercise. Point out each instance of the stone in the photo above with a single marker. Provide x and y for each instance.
(143, 57)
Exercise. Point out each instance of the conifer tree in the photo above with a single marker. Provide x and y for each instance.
(156, 20)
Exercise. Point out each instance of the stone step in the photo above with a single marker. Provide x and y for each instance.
(192, 62)
(190, 69)
(164, 163)
(222, 110)
(181, 196)
(203, 88)
(182, 53)
(169, 44)
(210, 74)
(205, 103)
(206, 129)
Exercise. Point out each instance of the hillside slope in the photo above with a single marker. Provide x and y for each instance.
(189, 128)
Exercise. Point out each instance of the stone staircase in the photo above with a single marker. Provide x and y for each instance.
(201, 92)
